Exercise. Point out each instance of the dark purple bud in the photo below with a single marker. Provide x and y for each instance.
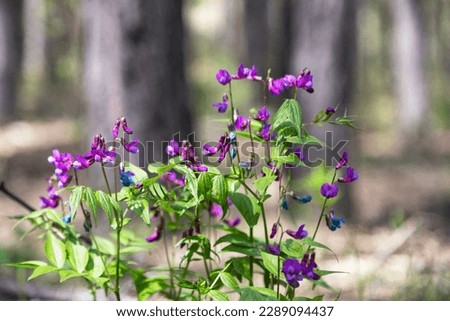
(298, 152)
(197, 225)
(125, 127)
(330, 110)
(265, 132)
(273, 249)
(329, 190)
(241, 122)
(300, 234)
(223, 77)
(274, 230)
(351, 176)
(115, 129)
(343, 161)
(232, 223)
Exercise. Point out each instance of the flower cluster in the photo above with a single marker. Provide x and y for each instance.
(186, 151)
(295, 271)
(304, 80)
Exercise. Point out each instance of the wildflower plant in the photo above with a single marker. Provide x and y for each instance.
(227, 223)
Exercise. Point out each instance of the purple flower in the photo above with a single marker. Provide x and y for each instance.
(292, 270)
(132, 146)
(98, 152)
(232, 223)
(307, 265)
(265, 132)
(121, 121)
(273, 249)
(276, 86)
(241, 122)
(173, 148)
(223, 77)
(222, 107)
(343, 161)
(82, 163)
(156, 235)
(329, 190)
(171, 176)
(300, 234)
(63, 162)
(298, 152)
(289, 81)
(262, 115)
(334, 222)
(53, 198)
(274, 230)
(222, 146)
(243, 72)
(330, 110)
(351, 176)
(216, 210)
(305, 81)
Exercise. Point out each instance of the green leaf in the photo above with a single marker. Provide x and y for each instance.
(263, 183)
(160, 168)
(310, 242)
(327, 272)
(191, 180)
(97, 266)
(246, 134)
(109, 205)
(246, 207)
(288, 119)
(218, 296)
(78, 256)
(303, 298)
(270, 262)
(237, 237)
(41, 270)
(254, 293)
(229, 280)
(105, 246)
(292, 248)
(64, 275)
(27, 264)
(75, 199)
(220, 189)
(205, 185)
(91, 201)
(249, 251)
(55, 250)
(141, 208)
(139, 173)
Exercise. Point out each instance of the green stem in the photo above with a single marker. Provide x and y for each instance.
(251, 258)
(263, 212)
(106, 178)
(166, 251)
(252, 159)
(323, 210)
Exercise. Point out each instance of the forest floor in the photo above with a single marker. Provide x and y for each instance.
(399, 248)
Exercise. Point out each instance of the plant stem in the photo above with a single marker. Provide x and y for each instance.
(166, 251)
(323, 210)
(251, 258)
(15, 198)
(106, 178)
(261, 205)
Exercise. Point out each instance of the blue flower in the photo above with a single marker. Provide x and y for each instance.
(334, 222)
(127, 178)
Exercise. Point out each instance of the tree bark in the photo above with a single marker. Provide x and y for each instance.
(324, 40)
(408, 69)
(11, 48)
(134, 66)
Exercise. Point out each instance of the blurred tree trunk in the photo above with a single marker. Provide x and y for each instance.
(257, 33)
(408, 69)
(11, 47)
(134, 66)
(324, 40)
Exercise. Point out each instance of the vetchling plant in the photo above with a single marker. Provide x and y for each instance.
(221, 232)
